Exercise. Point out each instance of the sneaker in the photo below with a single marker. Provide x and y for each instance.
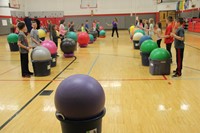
(176, 75)
(174, 71)
(26, 76)
(30, 73)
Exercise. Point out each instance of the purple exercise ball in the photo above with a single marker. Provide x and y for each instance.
(79, 97)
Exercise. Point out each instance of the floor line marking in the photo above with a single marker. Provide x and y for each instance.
(21, 109)
(93, 64)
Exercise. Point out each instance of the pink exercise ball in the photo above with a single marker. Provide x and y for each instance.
(101, 28)
(50, 45)
(83, 39)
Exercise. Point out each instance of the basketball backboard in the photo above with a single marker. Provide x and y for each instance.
(85, 4)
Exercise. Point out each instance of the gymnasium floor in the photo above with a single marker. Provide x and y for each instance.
(136, 101)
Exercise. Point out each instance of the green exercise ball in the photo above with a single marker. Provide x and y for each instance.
(72, 35)
(148, 46)
(12, 38)
(140, 31)
(91, 38)
(160, 54)
(102, 33)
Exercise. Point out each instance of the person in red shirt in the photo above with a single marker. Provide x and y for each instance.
(168, 39)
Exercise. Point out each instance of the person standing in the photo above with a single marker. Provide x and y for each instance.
(169, 39)
(114, 27)
(62, 29)
(158, 32)
(87, 26)
(49, 28)
(151, 27)
(35, 41)
(179, 38)
(24, 50)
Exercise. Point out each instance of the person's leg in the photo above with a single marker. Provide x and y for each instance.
(168, 47)
(179, 59)
(98, 32)
(113, 32)
(158, 42)
(24, 64)
(117, 32)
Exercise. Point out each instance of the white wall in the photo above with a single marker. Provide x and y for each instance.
(104, 6)
(5, 11)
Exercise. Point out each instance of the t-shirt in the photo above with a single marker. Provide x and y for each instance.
(86, 26)
(181, 33)
(54, 36)
(168, 31)
(82, 29)
(23, 39)
(97, 26)
(34, 34)
(151, 29)
(62, 29)
(158, 33)
(114, 24)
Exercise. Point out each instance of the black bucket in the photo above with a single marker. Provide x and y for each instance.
(54, 60)
(93, 125)
(14, 47)
(157, 67)
(145, 58)
(42, 39)
(136, 45)
(42, 68)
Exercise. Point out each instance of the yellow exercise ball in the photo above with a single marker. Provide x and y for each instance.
(41, 33)
(132, 28)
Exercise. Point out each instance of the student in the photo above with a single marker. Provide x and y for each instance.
(24, 50)
(38, 23)
(54, 35)
(97, 27)
(83, 28)
(94, 25)
(87, 26)
(62, 29)
(114, 27)
(71, 27)
(151, 27)
(158, 32)
(168, 39)
(179, 38)
(146, 27)
(49, 28)
(35, 41)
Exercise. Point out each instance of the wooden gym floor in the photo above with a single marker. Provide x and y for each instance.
(136, 101)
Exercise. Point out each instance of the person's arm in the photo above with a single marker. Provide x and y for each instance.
(167, 34)
(178, 37)
(22, 46)
(36, 42)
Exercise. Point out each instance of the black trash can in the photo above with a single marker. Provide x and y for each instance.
(136, 44)
(145, 58)
(157, 67)
(93, 125)
(13, 47)
(41, 68)
(54, 60)
(42, 39)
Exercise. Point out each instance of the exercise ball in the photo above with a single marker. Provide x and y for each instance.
(50, 45)
(144, 38)
(91, 38)
(148, 46)
(131, 29)
(101, 28)
(40, 53)
(12, 38)
(139, 31)
(41, 33)
(160, 54)
(72, 35)
(79, 97)
(83, 39)
(102, 34)
(94, 33)
(137, 36)
(68, 46)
